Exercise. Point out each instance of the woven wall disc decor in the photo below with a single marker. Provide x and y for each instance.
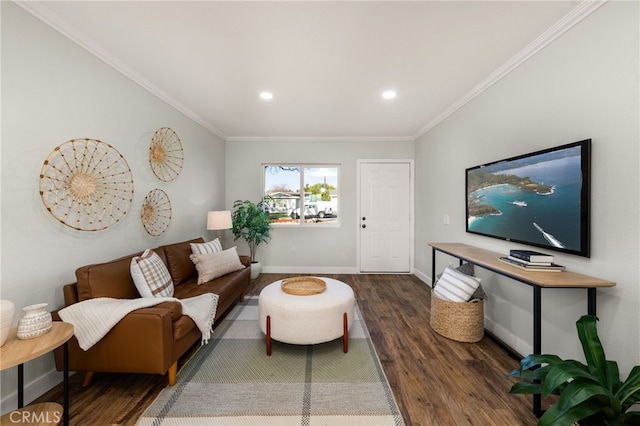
(165, 154)
(86, 184)
(156, 212)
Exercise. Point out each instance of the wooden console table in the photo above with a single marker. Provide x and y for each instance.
(538, 280)
(16, 352)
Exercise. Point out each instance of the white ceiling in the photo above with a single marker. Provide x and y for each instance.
(326, 62)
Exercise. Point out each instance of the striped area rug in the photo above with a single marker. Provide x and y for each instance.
(231, 381)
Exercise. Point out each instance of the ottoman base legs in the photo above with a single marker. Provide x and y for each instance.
(268, 335)
(345, 334)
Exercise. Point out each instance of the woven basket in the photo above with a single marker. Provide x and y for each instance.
(460, 321)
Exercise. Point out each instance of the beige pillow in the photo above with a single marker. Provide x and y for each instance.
(214, 265)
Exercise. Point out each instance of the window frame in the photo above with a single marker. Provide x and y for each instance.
(301, 198)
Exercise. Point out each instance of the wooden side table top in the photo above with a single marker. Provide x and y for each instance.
(16, 351)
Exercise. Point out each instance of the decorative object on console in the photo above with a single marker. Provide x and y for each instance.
(165, 154)
(86, 184)
(35, 322)
(252, 223)
(156, 212)
(218, 221)
(7, 312)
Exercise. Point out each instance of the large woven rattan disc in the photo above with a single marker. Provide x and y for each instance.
(156, 212)
(165, 154)
(86, 184)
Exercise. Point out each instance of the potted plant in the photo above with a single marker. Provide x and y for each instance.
(251, 222)
(590, 394)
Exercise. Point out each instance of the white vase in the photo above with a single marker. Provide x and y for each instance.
(7, 312)
(256, 269)
(35, 322)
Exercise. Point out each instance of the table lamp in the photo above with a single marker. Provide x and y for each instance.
(219, 220)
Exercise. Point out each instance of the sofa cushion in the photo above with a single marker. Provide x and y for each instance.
(150, 275)
(204, 248)
(180, 266)
(214, 265)
(109, 279)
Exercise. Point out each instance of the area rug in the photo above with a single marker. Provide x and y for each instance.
(231, 381)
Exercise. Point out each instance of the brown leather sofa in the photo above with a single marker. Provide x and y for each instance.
(149, 340)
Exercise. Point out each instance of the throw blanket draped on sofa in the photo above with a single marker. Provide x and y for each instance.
(92, 319)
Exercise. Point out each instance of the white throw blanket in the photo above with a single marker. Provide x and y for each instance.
(92, 319)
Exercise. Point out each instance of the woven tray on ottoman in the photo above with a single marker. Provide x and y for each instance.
(460, 321)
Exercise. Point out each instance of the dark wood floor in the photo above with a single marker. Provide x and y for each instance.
(436, 381)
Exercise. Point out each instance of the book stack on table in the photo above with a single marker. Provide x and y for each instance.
(532, 261)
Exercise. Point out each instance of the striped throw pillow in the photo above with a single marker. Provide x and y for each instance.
(214, 265)
(151, 276)
(204, 248)
(455, 286)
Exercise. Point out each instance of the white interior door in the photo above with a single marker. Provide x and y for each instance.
(385, 217)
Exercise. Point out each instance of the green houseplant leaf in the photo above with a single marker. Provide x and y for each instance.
(590, 394)
(252, 223)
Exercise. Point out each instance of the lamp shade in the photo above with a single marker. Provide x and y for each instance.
(219, 220)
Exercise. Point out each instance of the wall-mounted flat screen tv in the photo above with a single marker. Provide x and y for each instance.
(540, 199)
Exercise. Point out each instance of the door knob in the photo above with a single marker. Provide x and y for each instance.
(364, 218)
(364, 226)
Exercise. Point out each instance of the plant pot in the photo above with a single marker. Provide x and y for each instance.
(256, 269)
(7, 312)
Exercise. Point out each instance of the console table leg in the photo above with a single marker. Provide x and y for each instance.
(537, 340)
(591, 301)
(433, 266)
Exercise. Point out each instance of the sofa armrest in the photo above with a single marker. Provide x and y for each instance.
(245, 260)
(142, 342)
(174, 307)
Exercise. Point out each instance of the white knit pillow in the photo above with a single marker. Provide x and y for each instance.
(214, 265)
(204, 248)
(455, 286)
(151, 276)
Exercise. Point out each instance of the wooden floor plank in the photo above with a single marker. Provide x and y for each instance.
(436, 381)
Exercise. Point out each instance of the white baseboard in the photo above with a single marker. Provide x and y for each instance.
(309, 270)
(507, 337)
(422, 277)
(32, 390)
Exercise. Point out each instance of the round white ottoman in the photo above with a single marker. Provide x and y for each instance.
(307, 320)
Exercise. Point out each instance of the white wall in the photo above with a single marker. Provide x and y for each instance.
(319, 249)
(53, 91)
(584, 85)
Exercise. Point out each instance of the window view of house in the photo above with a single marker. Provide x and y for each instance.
(302, 194)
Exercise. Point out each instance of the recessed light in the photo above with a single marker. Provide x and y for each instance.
(389, 94)
(266, 96)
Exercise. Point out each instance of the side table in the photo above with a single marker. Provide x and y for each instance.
(16, 352)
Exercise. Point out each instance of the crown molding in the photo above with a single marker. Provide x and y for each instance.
(321, 139)
(40, 11)
(577, 14)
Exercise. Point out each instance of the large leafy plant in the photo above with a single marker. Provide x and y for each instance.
(251, 222)
(590, 394)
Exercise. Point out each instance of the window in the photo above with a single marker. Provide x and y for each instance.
(316, 204)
